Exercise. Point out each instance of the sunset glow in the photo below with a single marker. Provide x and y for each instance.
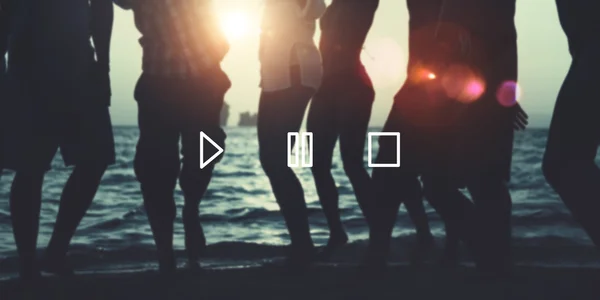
(385, 62)
(237, 25)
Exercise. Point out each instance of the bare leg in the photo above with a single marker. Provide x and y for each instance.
(76, 198)
(194, 181)
(574, 133)
(279, 113)
(25, 205)
(321, 122)
(493, 206)
(157, 167)
(457, 212)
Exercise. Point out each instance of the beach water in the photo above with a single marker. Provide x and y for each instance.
(243, 224)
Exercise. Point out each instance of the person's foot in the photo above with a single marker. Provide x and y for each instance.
(195, 242)
(296, 259)
(58, 266)
(373, 264)
(167, 264)
(449, 258)
(496, 271)
(421, 251)
(335, 242)
(193, 266)
(300, 258)
(30, 276)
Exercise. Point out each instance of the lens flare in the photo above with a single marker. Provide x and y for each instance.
(508, 94)
(431, 76)
(463, 84)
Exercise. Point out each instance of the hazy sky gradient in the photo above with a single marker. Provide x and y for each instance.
(543, 58)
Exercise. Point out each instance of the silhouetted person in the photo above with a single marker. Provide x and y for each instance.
(342, 108)
(574, 134)
(179, 94)
(486, 134)
(455, 132)
(291, 72)
(58, 96)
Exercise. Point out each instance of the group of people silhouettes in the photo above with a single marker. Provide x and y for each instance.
(457, 113)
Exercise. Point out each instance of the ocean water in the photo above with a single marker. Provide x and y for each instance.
(243, 224)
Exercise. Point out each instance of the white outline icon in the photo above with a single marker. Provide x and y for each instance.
(203, 137)
(306, 137)
(370, 149)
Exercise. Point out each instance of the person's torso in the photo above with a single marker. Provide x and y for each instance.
(286, 40)
(466, 31)
(179, 36)
(344, 29)
(48, 36)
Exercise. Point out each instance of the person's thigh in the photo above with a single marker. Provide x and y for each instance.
(200, 113)
(322, 123)
(280, 113)
(355, 109)
(157, 161)
(575, 127)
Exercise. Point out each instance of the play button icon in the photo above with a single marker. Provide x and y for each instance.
(204, 162)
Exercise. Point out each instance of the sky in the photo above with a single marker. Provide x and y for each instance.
(543, 58)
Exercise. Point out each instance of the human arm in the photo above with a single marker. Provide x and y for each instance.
(102, 16)
(3, 34)
(312, 9)
(521, 118)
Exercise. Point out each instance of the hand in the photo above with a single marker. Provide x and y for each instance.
(521, 118)
(100, 78)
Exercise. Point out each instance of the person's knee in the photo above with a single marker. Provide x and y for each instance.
(272, 165)
(91, 170)
(321, 168)
(353, 165)
(156, 174)
(194, 180)
(28, 180)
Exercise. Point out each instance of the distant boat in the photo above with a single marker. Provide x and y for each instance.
(224, 114)
(248, 119)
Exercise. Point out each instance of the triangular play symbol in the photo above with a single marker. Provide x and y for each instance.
(203, 162)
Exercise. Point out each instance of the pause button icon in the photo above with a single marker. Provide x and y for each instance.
(299, 150)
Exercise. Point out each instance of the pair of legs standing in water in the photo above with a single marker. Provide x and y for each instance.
(178, 97)
(291, 72)
(453, 145)
(341, 108)
(71, 114)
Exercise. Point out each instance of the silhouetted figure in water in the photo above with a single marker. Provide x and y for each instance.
(456, 125)
(57, 96)
(179, 94)
(574, 134)
(291, 72)
(342, 108)
(485, 134)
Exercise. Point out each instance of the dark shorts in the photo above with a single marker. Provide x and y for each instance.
(174, 109)
(35, 128)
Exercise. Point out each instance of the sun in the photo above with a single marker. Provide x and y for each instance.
(236, 25)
